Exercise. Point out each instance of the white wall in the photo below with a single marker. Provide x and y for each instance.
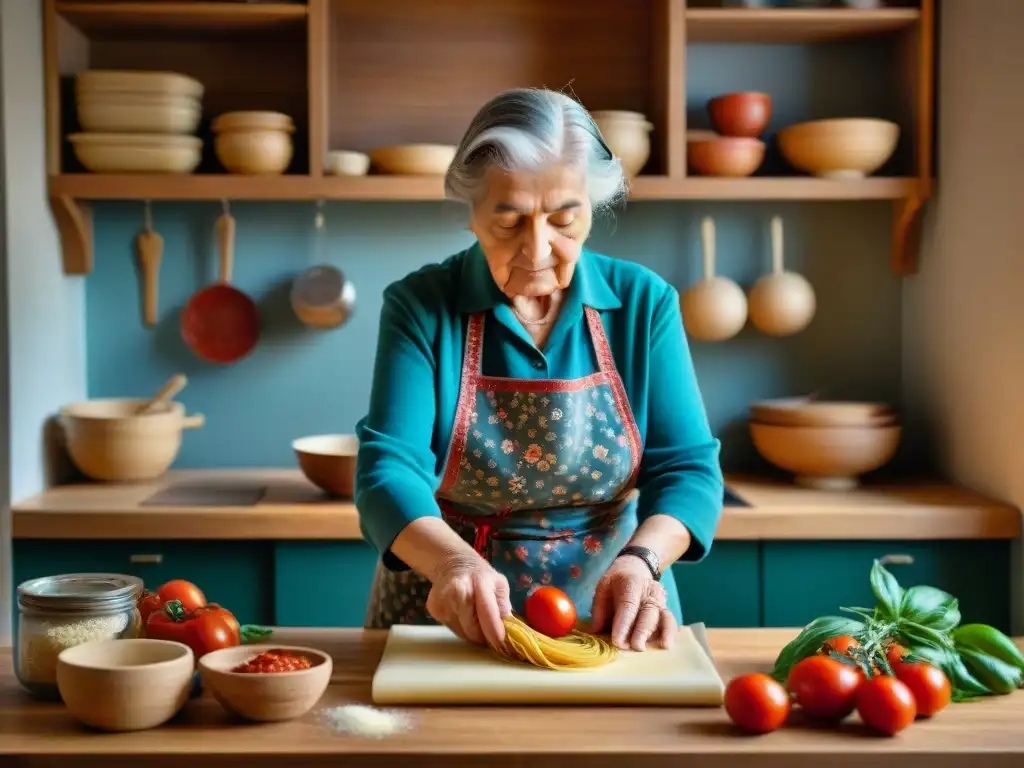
(44, 364)
(963, 327)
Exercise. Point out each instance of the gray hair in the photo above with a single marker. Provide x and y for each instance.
(525, 129)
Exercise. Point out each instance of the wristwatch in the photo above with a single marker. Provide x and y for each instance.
(649, 557)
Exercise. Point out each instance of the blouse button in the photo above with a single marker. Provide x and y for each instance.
(538, 364)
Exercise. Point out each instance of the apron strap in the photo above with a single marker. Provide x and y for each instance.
(605, 361)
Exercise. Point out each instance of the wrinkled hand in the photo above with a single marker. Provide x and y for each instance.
(636, 604)
(471, 599)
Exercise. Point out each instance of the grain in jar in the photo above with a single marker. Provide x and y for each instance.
(59, 612)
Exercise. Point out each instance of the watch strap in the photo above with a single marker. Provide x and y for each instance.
(648, 556)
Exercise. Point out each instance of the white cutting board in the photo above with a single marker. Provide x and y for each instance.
(430, 665)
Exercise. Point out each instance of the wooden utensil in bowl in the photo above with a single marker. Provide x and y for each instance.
(173, 386)
(714, 309)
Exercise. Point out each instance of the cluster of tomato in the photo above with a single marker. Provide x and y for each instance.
(178, 611)
(830, 685)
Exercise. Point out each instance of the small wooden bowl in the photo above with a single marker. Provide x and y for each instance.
(725, 156)
(743, 114)
(329, 462)
(826, 458)
(125, 685)
(270, 696)
(345, 162)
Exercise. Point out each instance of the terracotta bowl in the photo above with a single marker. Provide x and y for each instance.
(413, 159)
(329, 462)
(741, 114)
(125, 685)
(839, 149)
(826, 458)
(270, 696)
(725, 156)
(805, 412)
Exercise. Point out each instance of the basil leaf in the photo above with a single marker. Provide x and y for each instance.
(250, 634)
(810, 639)
(995, 674)
(887, 590)
(931, 607)
(988, 640)
(919, 636)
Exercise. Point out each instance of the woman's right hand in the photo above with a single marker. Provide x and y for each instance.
(471, 598)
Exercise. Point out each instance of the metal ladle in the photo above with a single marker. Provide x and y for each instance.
(321, 296)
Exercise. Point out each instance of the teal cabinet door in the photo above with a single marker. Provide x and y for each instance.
(322, 583)
(723, 590)
(235, 574)
(806, 579)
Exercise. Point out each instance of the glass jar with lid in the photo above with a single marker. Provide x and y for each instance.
(58, 612)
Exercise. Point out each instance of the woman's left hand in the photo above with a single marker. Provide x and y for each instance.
(636, 604)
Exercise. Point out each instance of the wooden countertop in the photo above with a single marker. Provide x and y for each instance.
(292, 508)
(34, 733)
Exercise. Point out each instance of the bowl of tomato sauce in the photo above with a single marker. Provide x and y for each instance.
(267, 683)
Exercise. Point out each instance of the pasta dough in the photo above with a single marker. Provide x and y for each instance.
(577, 650)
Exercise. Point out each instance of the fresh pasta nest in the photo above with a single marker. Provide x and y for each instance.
(577, 650)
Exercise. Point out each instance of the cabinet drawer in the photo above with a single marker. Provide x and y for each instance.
(805, 579)
(236, 574)
(724, 589)
(322, 583)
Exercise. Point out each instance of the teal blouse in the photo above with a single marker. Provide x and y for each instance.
(404, 437)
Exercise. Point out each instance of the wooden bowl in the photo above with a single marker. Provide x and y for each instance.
(826, 458)
(125, 685)
(805, 412)
(107, 439)
(270, 696)
(413, 159)
(725, 156)
(628, 135)
(344, 162)
(848, 148)
(741, 114)
(252, 120)
(137, 152)
(329, 462)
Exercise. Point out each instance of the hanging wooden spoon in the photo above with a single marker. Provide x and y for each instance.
(151, 251)
(714, 309)
(173, 386)
(781, 303)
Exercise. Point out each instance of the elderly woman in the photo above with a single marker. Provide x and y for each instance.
(524, 390)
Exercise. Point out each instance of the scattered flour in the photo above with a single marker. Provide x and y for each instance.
(367, 722)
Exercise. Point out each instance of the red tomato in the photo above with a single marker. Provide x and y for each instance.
(825, 688)
(756, 702)
(150, 602)
(841, 644)
(928, 684)
(189, 594)
(886, 704)
(229, 617)
(895, 654)
(212, 631)
(550, 611)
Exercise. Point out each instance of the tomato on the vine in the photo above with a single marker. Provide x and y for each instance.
(841, 644)
(550, 611)
(929, 685)
(824, 687)
(187, 593)
(756, 702)
(895, 654)
(886, 704)
(208, 628)
(149, 602)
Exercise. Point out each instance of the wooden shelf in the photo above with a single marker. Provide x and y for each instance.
(132, 20)
(793, 25)
(85, 186)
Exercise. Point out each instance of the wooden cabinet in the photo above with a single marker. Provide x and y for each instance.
(237, 574)
(724, 589)
(805, 579)
(322, 583)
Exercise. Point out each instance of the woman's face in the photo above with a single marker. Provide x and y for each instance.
(532, 227)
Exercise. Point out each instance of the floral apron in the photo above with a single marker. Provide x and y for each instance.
(539, 478)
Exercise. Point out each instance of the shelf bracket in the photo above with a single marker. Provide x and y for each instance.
(906, 234)
(74, 222)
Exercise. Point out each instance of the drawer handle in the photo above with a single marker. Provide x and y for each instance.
(146, 559)
(896, 559)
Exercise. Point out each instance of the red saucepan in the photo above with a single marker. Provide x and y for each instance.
(220, 323)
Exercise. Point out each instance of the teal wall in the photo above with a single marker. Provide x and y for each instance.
(300, 382)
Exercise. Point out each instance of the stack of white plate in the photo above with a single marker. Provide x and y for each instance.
(137, 122)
